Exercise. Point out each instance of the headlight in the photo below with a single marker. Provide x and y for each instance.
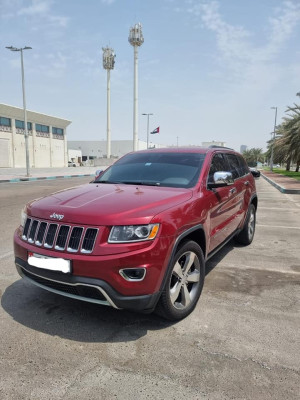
(133, 233)
(23, 217)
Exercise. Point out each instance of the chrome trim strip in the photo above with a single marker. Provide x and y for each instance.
(123, 275)
(109, 300)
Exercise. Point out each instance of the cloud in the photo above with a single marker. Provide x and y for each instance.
(33, 8)
(234, 42)
(36, 7)
(108, 2)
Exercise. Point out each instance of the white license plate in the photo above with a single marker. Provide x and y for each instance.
(50, 263)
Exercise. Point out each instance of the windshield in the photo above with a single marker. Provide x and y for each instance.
(155, 169)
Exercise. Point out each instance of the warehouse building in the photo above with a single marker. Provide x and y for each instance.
(94, 149)
(47, 139)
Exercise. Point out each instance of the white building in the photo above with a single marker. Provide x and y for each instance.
(46, 136)
(214, 143)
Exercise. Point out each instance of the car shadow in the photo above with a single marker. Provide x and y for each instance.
(80, 321)
(218, 257)
(76, 320)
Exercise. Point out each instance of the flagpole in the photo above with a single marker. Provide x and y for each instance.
(147, 128)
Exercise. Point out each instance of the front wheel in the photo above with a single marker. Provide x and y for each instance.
(184, 283)
(247, 233)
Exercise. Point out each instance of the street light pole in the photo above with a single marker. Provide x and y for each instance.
(147, 129)
(272, 149)
(24, 104)
(136, 39)
(108, 64)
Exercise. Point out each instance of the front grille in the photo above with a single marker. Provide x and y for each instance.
(89, 292)
(60, 237)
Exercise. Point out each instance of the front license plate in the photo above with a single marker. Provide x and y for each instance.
(50, 263)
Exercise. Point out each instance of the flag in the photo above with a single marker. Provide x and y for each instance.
(155, 131)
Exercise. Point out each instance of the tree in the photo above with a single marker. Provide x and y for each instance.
(287, 144)
(252, 156)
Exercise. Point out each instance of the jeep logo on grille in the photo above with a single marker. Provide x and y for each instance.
(57, 216)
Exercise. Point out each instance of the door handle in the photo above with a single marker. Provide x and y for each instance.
(233, 190)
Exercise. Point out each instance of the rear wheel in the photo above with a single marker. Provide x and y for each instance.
(247, 233)
(184, 283)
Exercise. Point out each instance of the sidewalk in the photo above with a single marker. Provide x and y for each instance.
(19, 174)
(283, 183)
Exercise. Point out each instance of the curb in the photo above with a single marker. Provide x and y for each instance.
(39, 178)
(280, 188)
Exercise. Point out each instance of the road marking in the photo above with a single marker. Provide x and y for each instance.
(293, 201)
(238, 266)
(10, 253)
(278, 226)
(277, 208)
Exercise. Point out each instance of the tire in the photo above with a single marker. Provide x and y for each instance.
(184, 283)
(247, 233)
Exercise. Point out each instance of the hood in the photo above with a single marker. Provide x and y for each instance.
(107, 204)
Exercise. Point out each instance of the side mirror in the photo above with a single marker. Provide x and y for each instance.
(98, 173)
(221, 179)
(255, 172)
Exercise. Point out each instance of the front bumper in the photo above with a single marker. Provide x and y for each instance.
(84, 288)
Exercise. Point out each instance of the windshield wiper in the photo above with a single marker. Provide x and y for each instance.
(145, 183)
(113, 182)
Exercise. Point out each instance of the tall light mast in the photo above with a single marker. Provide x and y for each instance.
(108, 64)
(136, 39)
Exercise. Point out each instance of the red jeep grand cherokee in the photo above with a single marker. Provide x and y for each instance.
(138, 236)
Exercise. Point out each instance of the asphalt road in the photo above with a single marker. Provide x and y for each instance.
(241, 342)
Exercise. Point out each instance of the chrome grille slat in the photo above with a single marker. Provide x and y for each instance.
(89, 240)
(59, 236)
(62, 237)
(26, 228)
(50, 235)
(75, 239)
(32, 231)
(41, 233)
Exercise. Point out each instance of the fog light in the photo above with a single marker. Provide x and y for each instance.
(133, 274)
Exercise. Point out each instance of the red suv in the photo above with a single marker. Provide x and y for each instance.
(138, 236)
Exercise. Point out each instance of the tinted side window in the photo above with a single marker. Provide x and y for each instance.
(218, 163)
(244, 170)
(234, 165)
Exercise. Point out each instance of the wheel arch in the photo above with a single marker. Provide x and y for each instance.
(196, 234)
(254, 201)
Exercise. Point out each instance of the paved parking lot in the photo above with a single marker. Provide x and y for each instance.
(241, 342)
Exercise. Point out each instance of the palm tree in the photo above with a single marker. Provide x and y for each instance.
(287, 144)
(252, 156)
(291, 127)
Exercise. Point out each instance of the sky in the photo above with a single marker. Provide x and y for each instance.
(208, 69)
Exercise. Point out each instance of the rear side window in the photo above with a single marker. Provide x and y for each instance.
(234, 166)
(218, 163)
